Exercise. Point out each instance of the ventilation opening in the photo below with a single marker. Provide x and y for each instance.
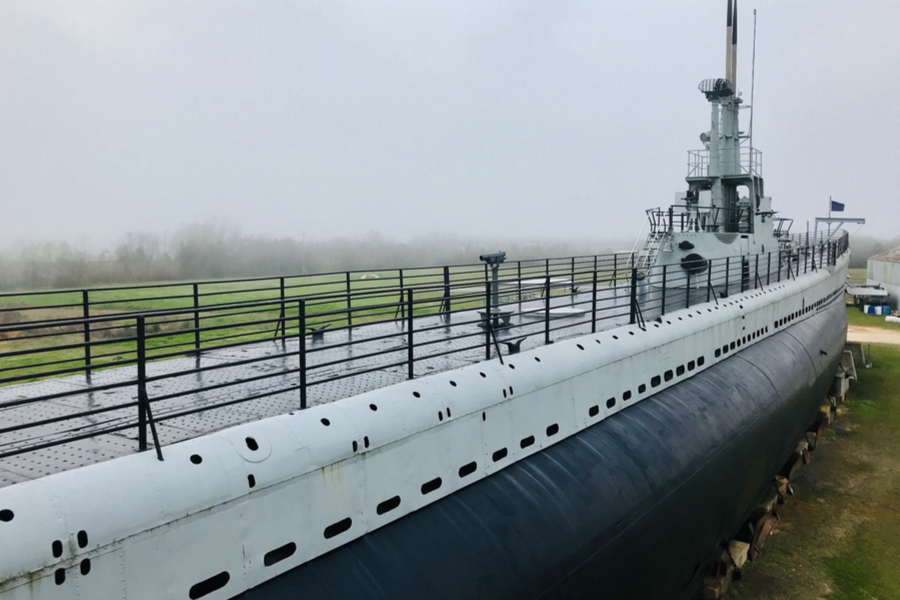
(552, 430)
(59, 576)
(679, 370)
(82, 539)
(610, 403)
(85, 566)
(6, 515)
(208, 586)
(251, 443)
(373, 408)
(642, 388)
(669, 375)
(655, 381)
(626, 395)
(251, 481)
(466, 470)
(355, 446)
(326, 422)
(388, 505)
(526, 442)
(593, 411)
(500, 454)
(57, 548)
(196, 459)
(431, 486)
(279, 554)
(338, 528)
(701, 360)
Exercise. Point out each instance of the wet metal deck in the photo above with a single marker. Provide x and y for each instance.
(459, 342)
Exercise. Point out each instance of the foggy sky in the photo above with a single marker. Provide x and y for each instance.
(518, 118)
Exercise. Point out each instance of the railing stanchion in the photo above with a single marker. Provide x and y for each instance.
(687, 289)
(594, 300)
(664, 289)
(196, 318)
(487, 318)
(727, 273)
(547, 310)
(769, 269)
(633, 315)
(519, 283)
(709, 287)
(349, 313)
(145, 416)
(301, 349)
(409, 334)
(282, 322)
(86, 313)
(445, 304)
(141, 383)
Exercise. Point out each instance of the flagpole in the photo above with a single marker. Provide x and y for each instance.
(829, 217)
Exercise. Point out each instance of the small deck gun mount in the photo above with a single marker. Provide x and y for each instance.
(494, 260)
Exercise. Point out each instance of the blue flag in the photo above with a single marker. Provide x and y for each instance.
(836, 206)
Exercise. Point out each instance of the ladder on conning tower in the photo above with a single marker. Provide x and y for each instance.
(648, 251)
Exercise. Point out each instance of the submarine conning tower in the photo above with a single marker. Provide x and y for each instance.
(724, 211)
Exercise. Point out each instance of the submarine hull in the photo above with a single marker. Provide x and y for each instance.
(632, 507)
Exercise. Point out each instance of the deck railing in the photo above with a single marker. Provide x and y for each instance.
(125, 367)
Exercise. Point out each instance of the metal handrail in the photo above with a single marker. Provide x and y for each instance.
(367, 320)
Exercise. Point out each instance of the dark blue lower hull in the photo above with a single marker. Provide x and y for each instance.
(632, 507)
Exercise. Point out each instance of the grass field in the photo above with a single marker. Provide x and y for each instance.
(839, 537)
(375, 296)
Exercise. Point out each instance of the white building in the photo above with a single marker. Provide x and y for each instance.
(884, 269)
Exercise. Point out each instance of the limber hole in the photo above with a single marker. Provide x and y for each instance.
(57, 548)
(594, 411)
(669, 375)
(338, 528)
(252, 444)
(525, 442)
(552, 430)
(610, 403)
(642, 388)
(279, 554)
(6, 515)
(366, 441)
(466, 470)
(500, 454)
(655, 380)
(251, 481)
(430, 486)
(626, 395)
(701, 360)
(196, 459)
(59, 576)
(82, 539)
(388, 505)
(208, 586)
(85, 566)
(679, 370)
(355, 446)
(326, 422)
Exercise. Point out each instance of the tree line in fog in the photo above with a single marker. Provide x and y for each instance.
(217, 249)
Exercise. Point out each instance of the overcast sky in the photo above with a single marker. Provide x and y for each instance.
(518, 117)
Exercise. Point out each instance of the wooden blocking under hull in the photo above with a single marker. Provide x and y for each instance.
(716, 584)
(798, 457)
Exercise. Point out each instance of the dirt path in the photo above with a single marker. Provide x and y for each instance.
(873, 335)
